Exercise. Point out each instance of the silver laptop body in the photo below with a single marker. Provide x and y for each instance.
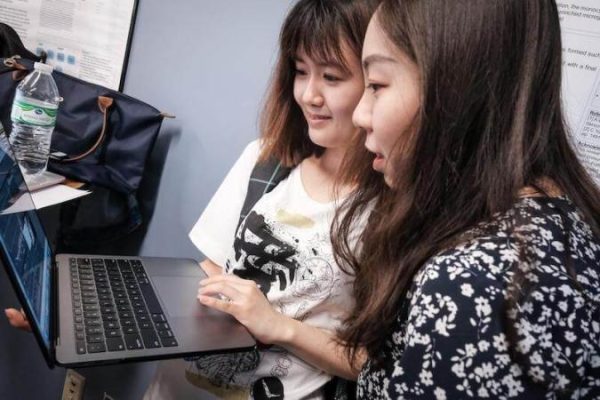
(52, 289)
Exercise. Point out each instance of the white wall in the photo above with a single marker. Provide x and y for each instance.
(208, 62)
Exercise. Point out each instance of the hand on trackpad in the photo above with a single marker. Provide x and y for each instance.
(179, 296)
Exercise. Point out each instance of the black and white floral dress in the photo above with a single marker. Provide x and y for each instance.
(451, 340)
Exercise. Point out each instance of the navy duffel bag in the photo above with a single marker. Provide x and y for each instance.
(102, 138)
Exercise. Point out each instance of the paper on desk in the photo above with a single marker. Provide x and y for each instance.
(43, 198)
(56, 194)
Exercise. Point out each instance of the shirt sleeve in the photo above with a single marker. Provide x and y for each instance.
(454, 342)
(214, 232)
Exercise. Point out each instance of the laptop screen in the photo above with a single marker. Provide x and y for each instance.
(23, 243)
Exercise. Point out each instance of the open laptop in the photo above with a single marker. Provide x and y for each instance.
(88, 310)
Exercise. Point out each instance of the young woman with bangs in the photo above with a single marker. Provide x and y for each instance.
(275, 273)
(479, 270)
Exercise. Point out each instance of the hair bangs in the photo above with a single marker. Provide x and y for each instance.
(318, 32)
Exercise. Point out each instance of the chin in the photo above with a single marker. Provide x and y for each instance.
(321, 138)
(388, 180)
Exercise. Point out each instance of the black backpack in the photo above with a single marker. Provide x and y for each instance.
(11, 44)
(265, 177)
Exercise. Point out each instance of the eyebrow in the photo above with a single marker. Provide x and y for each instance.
(376, 58)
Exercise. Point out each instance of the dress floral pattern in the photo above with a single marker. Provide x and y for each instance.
(451, 340)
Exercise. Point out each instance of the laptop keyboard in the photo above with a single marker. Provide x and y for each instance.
(115, 307)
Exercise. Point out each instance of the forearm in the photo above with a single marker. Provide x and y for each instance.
(243, 300)
(319, 348)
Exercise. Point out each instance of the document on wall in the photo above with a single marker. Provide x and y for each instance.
(580, 24)
(87, 39)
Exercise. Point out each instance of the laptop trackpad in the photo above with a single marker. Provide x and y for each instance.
(179, 296)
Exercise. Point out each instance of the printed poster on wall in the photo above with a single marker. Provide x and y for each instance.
(88, 39)
(580, 24)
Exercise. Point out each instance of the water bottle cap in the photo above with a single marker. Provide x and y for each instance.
(43, 67)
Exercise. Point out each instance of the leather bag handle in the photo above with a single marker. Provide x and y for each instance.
(19, 70)
(104, 104)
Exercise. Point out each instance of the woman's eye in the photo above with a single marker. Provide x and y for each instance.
(300, 71)
(374, 87)
(331, 78)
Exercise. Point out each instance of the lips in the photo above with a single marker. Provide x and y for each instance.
(378, 160)
(317, 117)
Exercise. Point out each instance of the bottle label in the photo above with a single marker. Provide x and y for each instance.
(33, 112)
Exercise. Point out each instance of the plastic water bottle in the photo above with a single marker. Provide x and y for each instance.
(33, 119)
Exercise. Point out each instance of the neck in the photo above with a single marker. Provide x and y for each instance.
(547, 187)
(330, 161)
(319, 175)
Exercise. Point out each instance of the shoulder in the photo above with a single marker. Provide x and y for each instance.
(556, 246)
(453, 331)
(461, 291)
(463, 295)
(479, 262)
(254, 146)
(541, 250)
(545, 242)
(252, 151)
(246, 161)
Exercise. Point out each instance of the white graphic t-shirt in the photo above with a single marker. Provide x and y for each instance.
(284, 245)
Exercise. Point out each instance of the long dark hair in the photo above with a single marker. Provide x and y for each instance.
(490, 124)
(320, 28)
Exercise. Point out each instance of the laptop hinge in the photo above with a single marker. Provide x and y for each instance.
(54, 320)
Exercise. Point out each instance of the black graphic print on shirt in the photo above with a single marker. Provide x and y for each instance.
(274, 260)
(314, 279)
(282, 366)
(266, 259)
(221, 369)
